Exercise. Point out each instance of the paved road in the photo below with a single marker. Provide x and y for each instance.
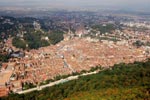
(55, 83)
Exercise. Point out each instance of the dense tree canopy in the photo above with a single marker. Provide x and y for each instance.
(104, 28)
(121, 82)
(33, 39)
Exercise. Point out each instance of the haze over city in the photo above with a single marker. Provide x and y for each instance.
(110, 4)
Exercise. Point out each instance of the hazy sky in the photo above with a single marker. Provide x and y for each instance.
(120, 4)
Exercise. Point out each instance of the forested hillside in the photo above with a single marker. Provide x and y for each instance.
(121, 82)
